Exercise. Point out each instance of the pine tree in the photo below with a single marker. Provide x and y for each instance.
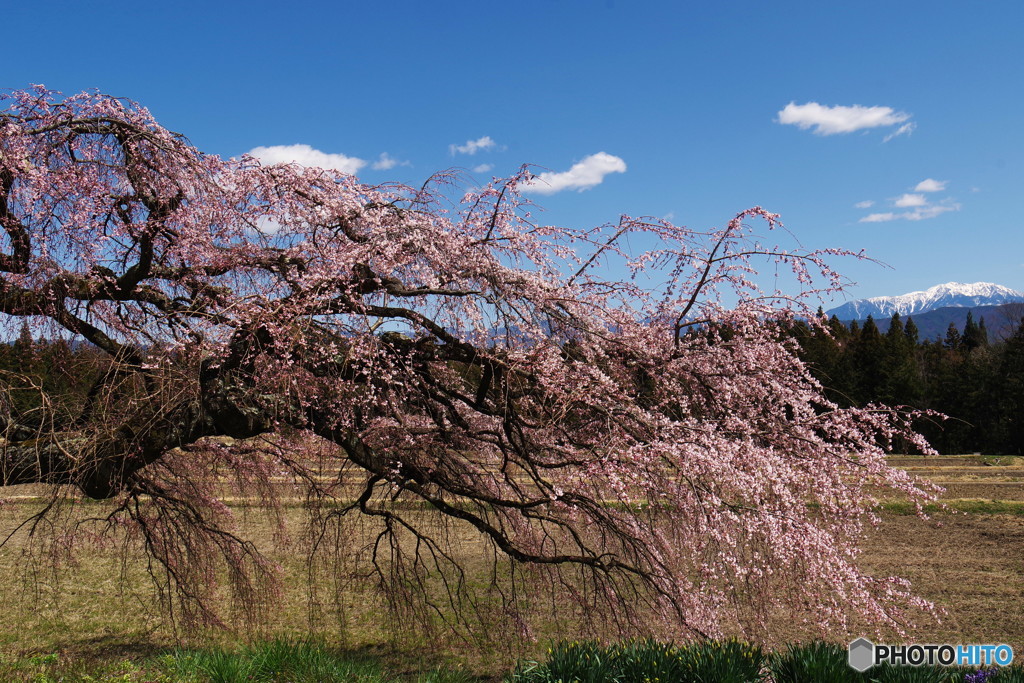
(1010, 389)
(910, 329)
(822, 351)
(24, 348)
(869, 363)
(953, 339)
(971, 339)
(840, 332)
(22, 363)
(899, 381)
(870, 331)
(895, 332)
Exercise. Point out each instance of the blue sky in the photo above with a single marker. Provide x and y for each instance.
(693, 111)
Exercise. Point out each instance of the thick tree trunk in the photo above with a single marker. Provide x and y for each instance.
(101, 461)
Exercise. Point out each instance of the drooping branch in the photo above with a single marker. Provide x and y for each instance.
(21, 245)
(402, 359)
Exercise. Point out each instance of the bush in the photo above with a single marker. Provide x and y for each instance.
(815, 661)
(729, 661)
(827, 663)
(647, 660)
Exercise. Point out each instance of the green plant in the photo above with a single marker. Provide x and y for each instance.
(1009, 674)
(649, 660)
(814, 661)
(646, 661)
(275, 660)
(43, 660)
(725, 661)
(220, 666)
(583, 661)
(913, 674)
(824, 662)
(444, 675)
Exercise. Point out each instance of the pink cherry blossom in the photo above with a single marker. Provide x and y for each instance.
(648, 446)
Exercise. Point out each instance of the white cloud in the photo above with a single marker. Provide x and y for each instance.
(919, 214)
(306, 156)
(931, 185)
(905, 129)
(483, 168)
(907, 200)
(473, 146)
(385, 162)
(840, 119)
(921, 208)
(878, 217)
(930, 211)
(583, 175)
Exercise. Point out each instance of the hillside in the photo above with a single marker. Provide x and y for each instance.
(1001, 320)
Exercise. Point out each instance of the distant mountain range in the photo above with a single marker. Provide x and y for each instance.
(935, 308)
(951, 294)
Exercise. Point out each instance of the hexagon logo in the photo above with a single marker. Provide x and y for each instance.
(862, 654)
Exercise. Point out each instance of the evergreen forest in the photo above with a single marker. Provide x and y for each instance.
(975, 381)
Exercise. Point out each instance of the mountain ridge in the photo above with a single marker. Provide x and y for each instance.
(1001, 320)
(946, 295)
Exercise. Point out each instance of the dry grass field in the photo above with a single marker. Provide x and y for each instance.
(968, 559)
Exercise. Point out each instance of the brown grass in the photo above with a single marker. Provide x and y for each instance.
(97, 604)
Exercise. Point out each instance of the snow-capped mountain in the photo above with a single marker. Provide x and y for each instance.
(954, 294)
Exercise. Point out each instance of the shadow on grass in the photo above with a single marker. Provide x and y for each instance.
(295, 661)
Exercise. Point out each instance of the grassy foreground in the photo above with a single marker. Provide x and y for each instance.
(95, 614)
(271, 661)
(635, 661)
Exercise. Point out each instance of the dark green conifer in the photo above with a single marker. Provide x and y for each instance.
(868, 366)
(982, 332)
(895, 333)
(953, 339)
(840, 332)
(1010, 389)
(24, 345)
(971, 339)
(910, 330)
